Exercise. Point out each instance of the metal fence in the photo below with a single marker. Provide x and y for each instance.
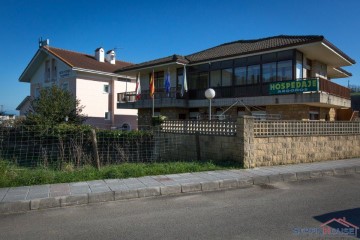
(301, 128)
(220, 128)
(28, 147)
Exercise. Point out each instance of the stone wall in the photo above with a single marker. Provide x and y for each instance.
(268, 151)
(255, 151)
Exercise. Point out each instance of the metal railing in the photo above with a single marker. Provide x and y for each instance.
(304, 128)
(220, 128)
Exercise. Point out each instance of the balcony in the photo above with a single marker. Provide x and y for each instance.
(174, 98)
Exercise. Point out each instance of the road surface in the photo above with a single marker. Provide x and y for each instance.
(284, 210)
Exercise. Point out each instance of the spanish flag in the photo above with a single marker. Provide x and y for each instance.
(152, 85)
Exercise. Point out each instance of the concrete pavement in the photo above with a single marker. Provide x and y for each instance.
(20, 199)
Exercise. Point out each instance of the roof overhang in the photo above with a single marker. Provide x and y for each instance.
(33, 65)
(325, 53)
(337, 73)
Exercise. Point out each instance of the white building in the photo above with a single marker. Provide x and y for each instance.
(90, 78)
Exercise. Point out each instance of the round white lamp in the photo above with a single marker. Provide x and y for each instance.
(210, 94)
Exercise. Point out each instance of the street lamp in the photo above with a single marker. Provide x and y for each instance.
(66, 119)
(210, 94)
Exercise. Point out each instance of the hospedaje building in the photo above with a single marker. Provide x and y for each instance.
(281, 77)
(90, 78)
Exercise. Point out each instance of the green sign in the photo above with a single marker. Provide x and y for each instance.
(299, 86)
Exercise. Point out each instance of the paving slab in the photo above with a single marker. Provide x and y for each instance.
(19, 199)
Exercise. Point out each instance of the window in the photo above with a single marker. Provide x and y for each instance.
(107, 115)
(284, 70)
(215, 78)
(203, 80)
(125, 127)
(179, 78)
(240, 75)
(158, 80)
(299, 65)
(269, 72)
(47, 71)
(37, 92)
(226, 77)
(53, 70)
(253, 74)
(106, 88)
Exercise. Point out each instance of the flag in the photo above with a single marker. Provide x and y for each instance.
(184, 87)
(167, 83)
(138, 88)
(152, 85)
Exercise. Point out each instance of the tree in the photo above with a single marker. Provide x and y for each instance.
(55, 106)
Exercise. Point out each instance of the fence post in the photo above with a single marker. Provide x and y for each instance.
(197, 141)
(95, 148)
(245, 136)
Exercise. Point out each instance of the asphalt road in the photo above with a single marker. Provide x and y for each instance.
(278, 211)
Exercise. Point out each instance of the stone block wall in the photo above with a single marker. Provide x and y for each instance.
(253, 151)
(268, 151)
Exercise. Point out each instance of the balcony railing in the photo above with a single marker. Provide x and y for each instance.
(254, 90)
(145, 95)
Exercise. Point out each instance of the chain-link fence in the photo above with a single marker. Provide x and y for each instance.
(33, 146)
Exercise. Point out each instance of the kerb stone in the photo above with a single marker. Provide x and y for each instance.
(210, 186)
(10, 207)
(126, 194)
(44, 203)
(148, 192)
(74, 200)
(101, 197)
(190, 187)
(170, 190)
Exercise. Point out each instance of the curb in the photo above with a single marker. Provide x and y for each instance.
(196, 187)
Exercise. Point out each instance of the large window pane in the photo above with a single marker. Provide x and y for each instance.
(299, 65)
(192, 80)
(284, 70)
(240, 76)
(226, 77)
(269, 72)
(253, 74)
(215, 78)
(203, 80)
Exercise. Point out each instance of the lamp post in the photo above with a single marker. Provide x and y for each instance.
(66, 119)
(210, 94)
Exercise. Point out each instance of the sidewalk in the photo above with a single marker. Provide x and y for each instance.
(21, 199)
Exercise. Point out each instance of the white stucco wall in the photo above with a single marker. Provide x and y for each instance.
(91, 95)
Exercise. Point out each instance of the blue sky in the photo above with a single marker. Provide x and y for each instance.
(145, 30)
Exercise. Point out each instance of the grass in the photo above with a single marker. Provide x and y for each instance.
(12, 175)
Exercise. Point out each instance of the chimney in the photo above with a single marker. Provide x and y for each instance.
(99, 54)
(110, 56)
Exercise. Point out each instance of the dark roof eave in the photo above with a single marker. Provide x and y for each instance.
(344, 71)
(132, 68)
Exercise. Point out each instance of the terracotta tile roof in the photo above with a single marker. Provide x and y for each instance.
(243, 47)
(170, 59)
(81, 60)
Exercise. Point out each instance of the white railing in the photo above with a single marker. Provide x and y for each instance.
(301, 128)
(222, 128)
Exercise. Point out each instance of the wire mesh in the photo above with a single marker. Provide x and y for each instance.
(34, 146)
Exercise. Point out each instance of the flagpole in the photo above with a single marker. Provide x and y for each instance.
(153, 96)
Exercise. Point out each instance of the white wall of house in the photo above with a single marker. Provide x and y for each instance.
(91, 94)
